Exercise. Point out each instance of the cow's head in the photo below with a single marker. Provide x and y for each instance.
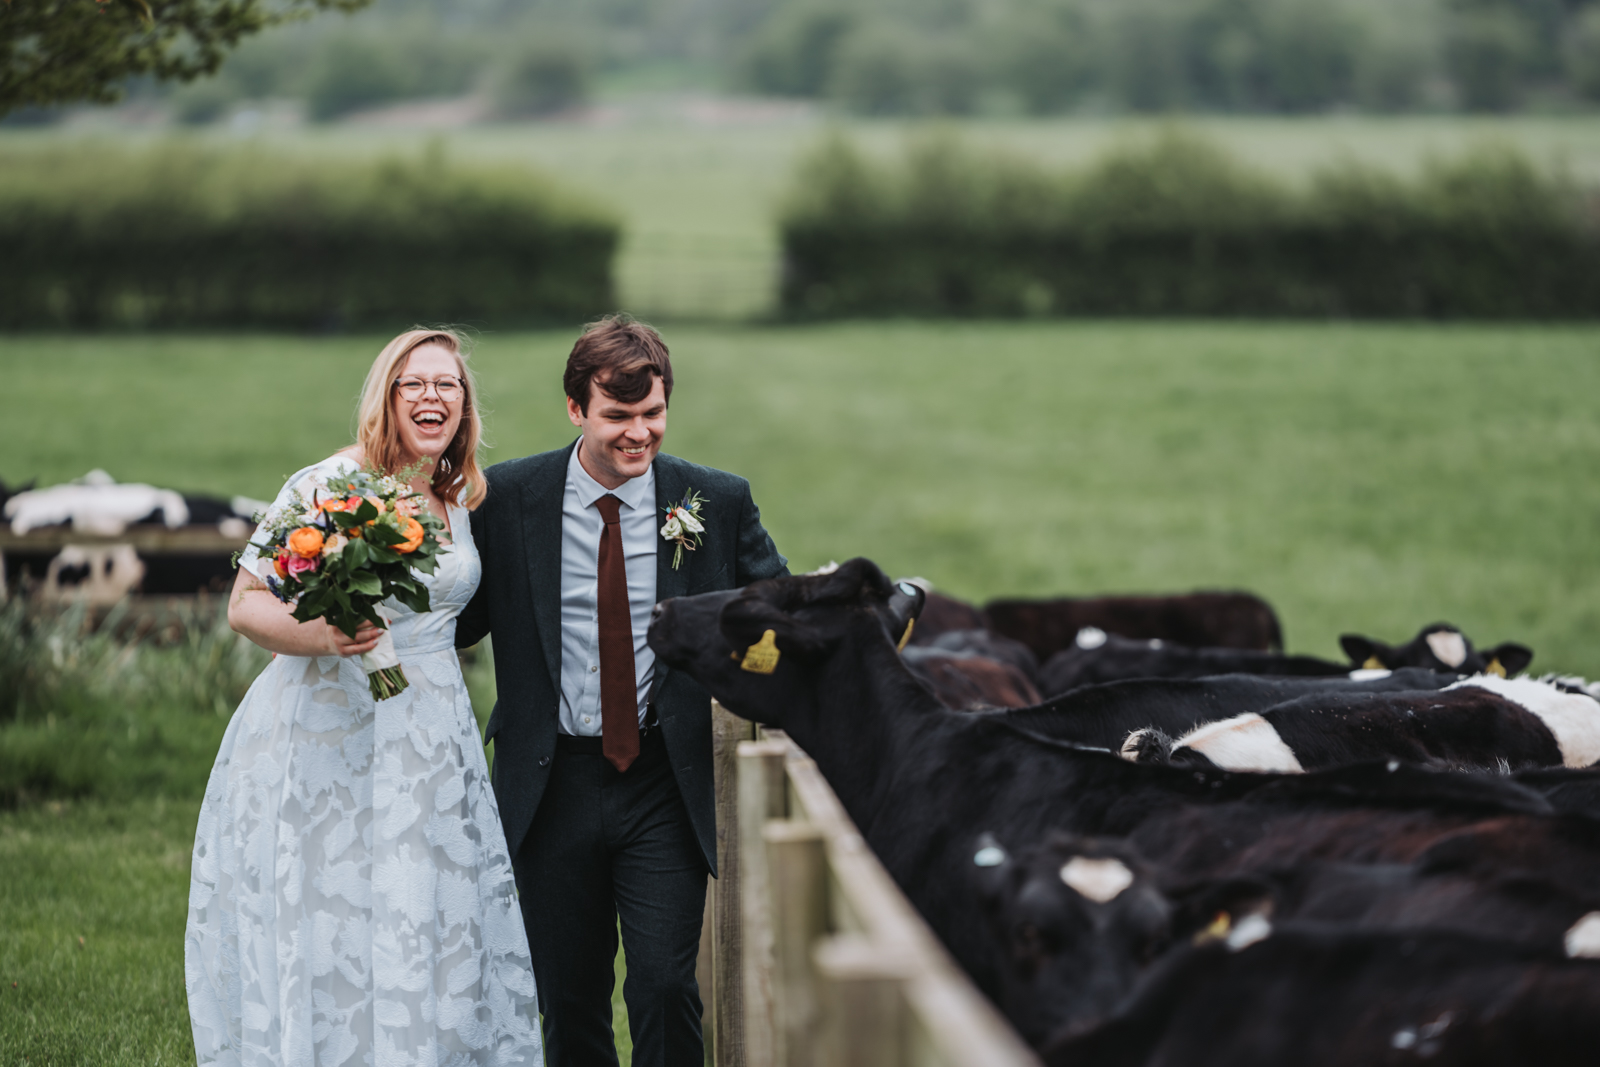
(762, 650)
(1440, 647)
(1078, 920)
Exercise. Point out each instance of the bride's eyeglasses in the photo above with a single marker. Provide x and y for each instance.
(448, 389)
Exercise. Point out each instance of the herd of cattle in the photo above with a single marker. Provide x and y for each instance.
(102, 519)
(1198, 850)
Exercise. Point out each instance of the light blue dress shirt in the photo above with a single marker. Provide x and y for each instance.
(581, 527)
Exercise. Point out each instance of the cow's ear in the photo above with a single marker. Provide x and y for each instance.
(746, 621)
(1511, 657)
(1364, 650)
(905, 607)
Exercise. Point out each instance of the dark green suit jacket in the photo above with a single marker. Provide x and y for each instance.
(518, 534)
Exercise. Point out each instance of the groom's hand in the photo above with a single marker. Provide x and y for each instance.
(365, 640)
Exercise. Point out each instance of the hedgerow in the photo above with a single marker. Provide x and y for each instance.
(177, 235)
(1175, 226)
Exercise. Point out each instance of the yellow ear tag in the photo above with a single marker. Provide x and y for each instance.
(762, 657)
(905, 637)
(1220, 925)
(1494, 667)
(1373, 664)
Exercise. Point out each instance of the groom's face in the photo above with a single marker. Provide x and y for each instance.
(620, 441)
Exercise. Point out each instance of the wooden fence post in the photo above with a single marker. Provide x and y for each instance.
(797, 880)
(724, 923)
(863, 1002)
(762, 796)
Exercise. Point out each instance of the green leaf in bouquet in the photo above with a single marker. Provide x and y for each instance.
(380, 534)
(415, 599)
(364, 582)
(425, 564)
(344, 520)
(379, 554)
(355, 554)
(365, 513)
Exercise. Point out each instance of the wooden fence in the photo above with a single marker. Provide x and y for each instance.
(816, 959)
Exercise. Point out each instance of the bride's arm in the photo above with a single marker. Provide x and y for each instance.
(264, 619)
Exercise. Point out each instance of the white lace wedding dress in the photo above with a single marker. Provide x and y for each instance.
(351, 898)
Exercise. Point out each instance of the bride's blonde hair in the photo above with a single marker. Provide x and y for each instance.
(457, 478)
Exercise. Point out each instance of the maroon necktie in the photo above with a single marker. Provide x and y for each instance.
(619, 691)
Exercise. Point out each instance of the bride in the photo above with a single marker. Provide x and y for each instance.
(351, 898)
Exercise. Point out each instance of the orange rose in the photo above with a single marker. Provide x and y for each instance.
(277, 565)
(335, 505)
(306, 542)
(413, 531)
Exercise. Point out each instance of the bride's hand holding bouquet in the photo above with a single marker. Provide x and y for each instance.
(343, 551)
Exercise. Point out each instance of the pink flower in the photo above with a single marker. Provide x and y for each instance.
(409, 506)
(298, 565)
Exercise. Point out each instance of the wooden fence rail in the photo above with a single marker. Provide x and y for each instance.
(817, 959)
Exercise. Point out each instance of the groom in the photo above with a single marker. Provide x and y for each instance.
(602, 755)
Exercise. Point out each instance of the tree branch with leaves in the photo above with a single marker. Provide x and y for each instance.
(69, 51)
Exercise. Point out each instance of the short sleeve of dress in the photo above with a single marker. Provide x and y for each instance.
(312, 478)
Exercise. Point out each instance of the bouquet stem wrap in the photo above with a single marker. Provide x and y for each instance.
(385, 676)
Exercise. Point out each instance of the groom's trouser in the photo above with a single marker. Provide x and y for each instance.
(606, 846)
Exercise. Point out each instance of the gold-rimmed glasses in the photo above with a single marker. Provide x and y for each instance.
(446, 388)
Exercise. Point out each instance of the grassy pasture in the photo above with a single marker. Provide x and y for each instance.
(698, 194)
(1371, 478)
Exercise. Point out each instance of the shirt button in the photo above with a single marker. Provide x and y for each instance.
(593, 667)
(544, 761)
(586, 718)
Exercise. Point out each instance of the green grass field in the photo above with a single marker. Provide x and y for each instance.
(1372, 478)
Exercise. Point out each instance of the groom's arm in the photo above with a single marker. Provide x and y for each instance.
(758, 557)
(472, 625)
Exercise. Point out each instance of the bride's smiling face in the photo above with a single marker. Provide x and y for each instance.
(428, 423)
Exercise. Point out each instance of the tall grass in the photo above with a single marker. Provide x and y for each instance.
(84, 711)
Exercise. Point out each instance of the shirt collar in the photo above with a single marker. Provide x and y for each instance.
(634, 493)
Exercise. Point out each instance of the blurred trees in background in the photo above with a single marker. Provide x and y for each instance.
(915, 57)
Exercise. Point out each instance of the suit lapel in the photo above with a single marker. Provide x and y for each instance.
(670, 488)
(542, 496)
(670, 583)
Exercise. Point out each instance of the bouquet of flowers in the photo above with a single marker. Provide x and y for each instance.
(342, 553)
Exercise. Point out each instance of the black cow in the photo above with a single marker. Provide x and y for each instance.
(970, 682)
(1440, 647)
(1485, 722)
(923, 783)
(1097, 657)
(1202, 620)
(1316, 996)
(970, 670)
(1082, 920)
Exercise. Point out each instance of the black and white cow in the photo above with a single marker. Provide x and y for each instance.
(1440, 647)
(1485, 721)
(1105, 715)
(103, 571)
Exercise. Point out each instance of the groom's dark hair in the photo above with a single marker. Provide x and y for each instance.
(620, 356)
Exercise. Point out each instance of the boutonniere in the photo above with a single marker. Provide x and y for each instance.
(683, 526)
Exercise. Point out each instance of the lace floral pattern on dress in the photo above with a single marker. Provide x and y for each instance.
(351, 896)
